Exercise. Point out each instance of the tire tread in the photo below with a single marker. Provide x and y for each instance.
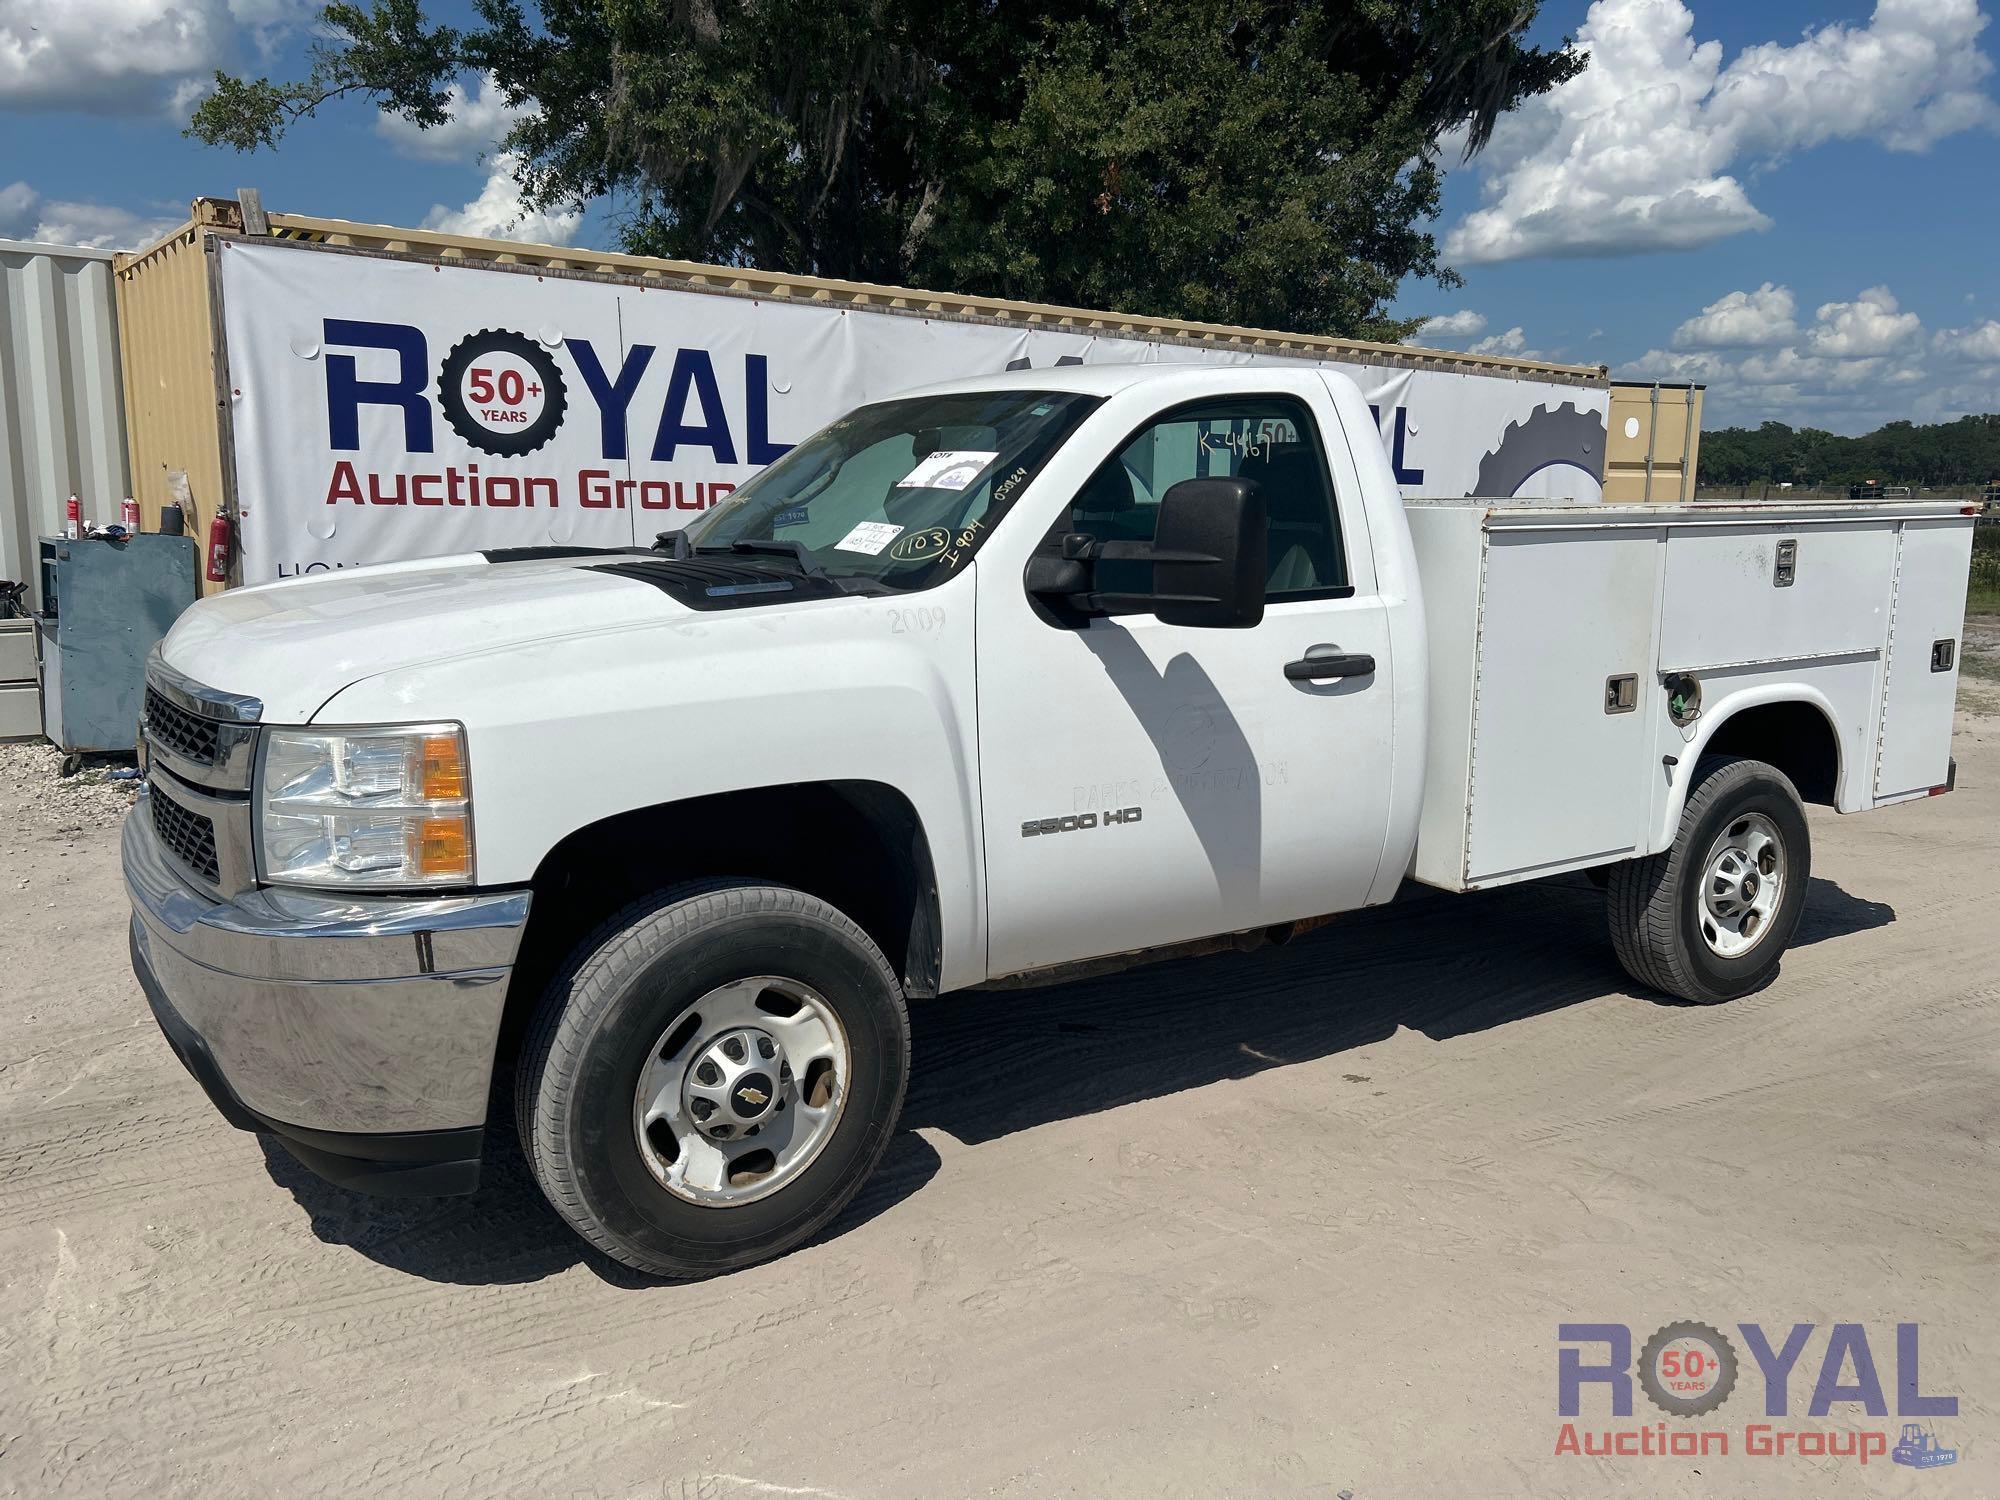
(1643, 895)
(552, 1049)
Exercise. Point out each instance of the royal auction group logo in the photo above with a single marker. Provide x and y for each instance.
(1689, 1370)
(502, 392)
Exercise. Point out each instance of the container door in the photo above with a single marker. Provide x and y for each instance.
(1921, 690)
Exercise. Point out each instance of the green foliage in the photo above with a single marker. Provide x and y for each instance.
(1983, 585)
(1268, 162)
(1961, 453)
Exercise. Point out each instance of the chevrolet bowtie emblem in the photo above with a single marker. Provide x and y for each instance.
(752, 1096)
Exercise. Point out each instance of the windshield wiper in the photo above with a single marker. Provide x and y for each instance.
(799, 552)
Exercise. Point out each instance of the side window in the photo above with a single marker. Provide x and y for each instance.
(1271, 439)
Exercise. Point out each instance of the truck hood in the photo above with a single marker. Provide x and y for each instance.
(296, 643)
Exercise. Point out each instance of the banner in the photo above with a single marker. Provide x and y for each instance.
(388, 409)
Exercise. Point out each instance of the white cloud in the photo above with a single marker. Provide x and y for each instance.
(1859, 364)
(1513, 342)
(1636, 152)
(497, 213)
(1462, 324)
(1870, 324)
(479, 120)
(1977, 345)
(26, 215)
(127, 56)
(1742, 320)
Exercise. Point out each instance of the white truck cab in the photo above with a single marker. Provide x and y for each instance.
(1004, 679)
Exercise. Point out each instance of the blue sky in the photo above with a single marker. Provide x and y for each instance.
(1793, 202)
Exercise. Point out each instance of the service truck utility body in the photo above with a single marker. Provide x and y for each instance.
(1035, 721)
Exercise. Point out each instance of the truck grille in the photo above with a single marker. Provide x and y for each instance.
(189, 836)
(187, 735)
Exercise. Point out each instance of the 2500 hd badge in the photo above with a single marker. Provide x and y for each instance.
(1076, 822)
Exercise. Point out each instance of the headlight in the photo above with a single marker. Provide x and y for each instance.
(365, 807)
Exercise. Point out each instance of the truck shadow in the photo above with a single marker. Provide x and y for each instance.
(506, 1233)
(989, 1064)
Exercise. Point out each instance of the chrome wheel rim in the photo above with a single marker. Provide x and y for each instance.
(1743, 882)
(742, 1092)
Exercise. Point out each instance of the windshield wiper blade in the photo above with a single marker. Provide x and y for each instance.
(799, 552)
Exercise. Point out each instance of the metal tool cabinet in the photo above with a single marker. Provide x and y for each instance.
(106, 603)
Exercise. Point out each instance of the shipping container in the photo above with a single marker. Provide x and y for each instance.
(353, 393)
(1655, 441)
(62, 432)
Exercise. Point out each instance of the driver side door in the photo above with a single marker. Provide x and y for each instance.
(1146, 783)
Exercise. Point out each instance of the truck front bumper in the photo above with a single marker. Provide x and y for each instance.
(359, 1030)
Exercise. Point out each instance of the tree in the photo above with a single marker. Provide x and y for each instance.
(1268, 162)
(1959, 454)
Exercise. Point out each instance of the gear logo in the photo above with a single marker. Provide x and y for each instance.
(1548, 438)
(1687, 1369)
(502, 392)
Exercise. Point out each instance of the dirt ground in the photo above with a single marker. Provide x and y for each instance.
(1303, 1222)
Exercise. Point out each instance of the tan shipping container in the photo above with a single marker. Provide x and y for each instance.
(1653, 447)
(176, 412)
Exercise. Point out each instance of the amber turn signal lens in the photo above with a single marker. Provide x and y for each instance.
(444, 847)
(443, 768)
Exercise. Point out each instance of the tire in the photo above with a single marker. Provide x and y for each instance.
(636, 984)
(1666, 936)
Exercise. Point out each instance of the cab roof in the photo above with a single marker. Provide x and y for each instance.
(1096, 380)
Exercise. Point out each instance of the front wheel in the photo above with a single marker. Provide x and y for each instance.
(1709, 918)
(712, 1077)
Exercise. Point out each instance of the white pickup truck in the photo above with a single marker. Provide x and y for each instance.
(1017, 676)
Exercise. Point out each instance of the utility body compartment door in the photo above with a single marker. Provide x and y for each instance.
(1559, 769)
(1920, 692)
(1145, 783)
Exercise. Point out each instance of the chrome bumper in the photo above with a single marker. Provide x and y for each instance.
(325, 1016)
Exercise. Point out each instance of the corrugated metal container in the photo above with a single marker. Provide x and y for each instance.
(1654, 442)
(175, 411)
(62, 429)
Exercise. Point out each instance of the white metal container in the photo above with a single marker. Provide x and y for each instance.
(1556, 632)
(62, 427)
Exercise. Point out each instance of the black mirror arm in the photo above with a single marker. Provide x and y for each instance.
(1078, 546)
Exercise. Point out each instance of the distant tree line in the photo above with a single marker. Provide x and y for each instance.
(1942, 454)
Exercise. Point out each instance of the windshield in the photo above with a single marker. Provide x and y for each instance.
(897, 495)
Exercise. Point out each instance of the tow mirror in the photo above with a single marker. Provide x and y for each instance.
(1208, 554)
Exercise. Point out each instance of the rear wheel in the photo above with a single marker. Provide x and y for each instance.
(1709, 918)
(712, 1077)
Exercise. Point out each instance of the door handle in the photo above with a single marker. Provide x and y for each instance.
(1322, 662)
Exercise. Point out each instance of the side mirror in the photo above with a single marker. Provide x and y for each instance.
(1208, 554)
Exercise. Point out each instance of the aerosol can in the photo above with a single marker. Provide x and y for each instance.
(73, 519)
(128, 513)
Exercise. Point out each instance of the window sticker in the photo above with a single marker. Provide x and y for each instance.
(870, 537)
(953, 469)
(796, 516)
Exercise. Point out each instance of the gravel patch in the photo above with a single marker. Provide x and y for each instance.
(38, 802)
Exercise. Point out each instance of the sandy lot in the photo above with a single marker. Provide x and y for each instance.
(1296, 1223)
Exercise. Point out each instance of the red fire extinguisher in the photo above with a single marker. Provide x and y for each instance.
(218, 549)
